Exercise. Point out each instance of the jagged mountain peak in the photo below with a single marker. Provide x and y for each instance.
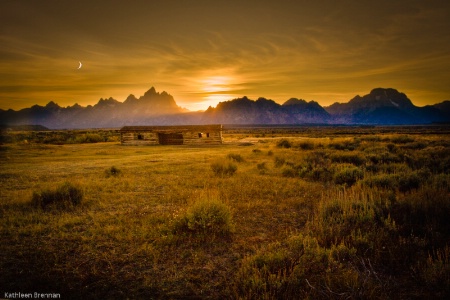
(52, 105)
(130, 98)
(294, 101)
(266, 111)
(150, 92)
(380, 106)
(443, 106)
(75, 106)
(377, 98)
(106, 102)
(162, 101)
(381, 97)
(262, 99)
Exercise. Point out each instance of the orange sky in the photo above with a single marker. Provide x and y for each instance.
(204, 51)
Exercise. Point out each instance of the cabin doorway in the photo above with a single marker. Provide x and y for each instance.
(170, 138)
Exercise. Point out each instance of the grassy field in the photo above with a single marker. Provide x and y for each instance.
(271, 214)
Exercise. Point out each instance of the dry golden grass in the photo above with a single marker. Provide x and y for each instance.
(122, 240)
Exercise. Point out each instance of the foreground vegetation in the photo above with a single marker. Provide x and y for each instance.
(264, 216)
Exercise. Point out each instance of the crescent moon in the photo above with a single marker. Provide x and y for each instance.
(79, 67)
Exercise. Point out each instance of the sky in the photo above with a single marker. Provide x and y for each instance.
(203, 51)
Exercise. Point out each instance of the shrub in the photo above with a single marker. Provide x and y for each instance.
(351, 158)
(394, 168)
(402, 139)
(424, 213)
(279, 161)
(270, 153)
(235, 157)
(289, 172)
(318, 159)
(374, 158)
(256, 151)
(206, 217)
(321, 174)
(57, 140)
(113, 171)
(113, 139)
(221, 168)
(306, 145)
(392, 147)
(65, 196)
(442, 182)
(89, 138)
(437, 160)
(348, 176)
(284, 144)
(262, 167)
(353, 217)
(371, 138)
(415, 146)
(407, 182)
(279, 272)
(386, 181)
(372, 168)
(388, 158)
(345, 145)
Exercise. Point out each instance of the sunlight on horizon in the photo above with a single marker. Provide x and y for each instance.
(214, 99)
(207, 101)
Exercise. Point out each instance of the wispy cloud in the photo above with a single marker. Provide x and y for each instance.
(275, 50)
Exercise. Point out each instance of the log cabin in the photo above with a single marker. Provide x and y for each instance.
(171, 135)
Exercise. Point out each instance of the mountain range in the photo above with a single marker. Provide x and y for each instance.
(380, 107)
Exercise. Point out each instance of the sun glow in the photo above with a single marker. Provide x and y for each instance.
(215, 84)
(212, 87)
(209, 87)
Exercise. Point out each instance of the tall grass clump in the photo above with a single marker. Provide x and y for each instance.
(235, 157)
(383, 181)
(284, 144)
(113, 171)
(65, 196)
(206, 217)
(348, 176)
(424, 214)
(371, 138)
(289, 172)
(404, 183)
(409, 181)
(223, 168)
(316, 166)
(396, 233)
(279, 161)
(302, 269)
(351, 158)
(436, 272)
(262, 168)
(349, 145)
